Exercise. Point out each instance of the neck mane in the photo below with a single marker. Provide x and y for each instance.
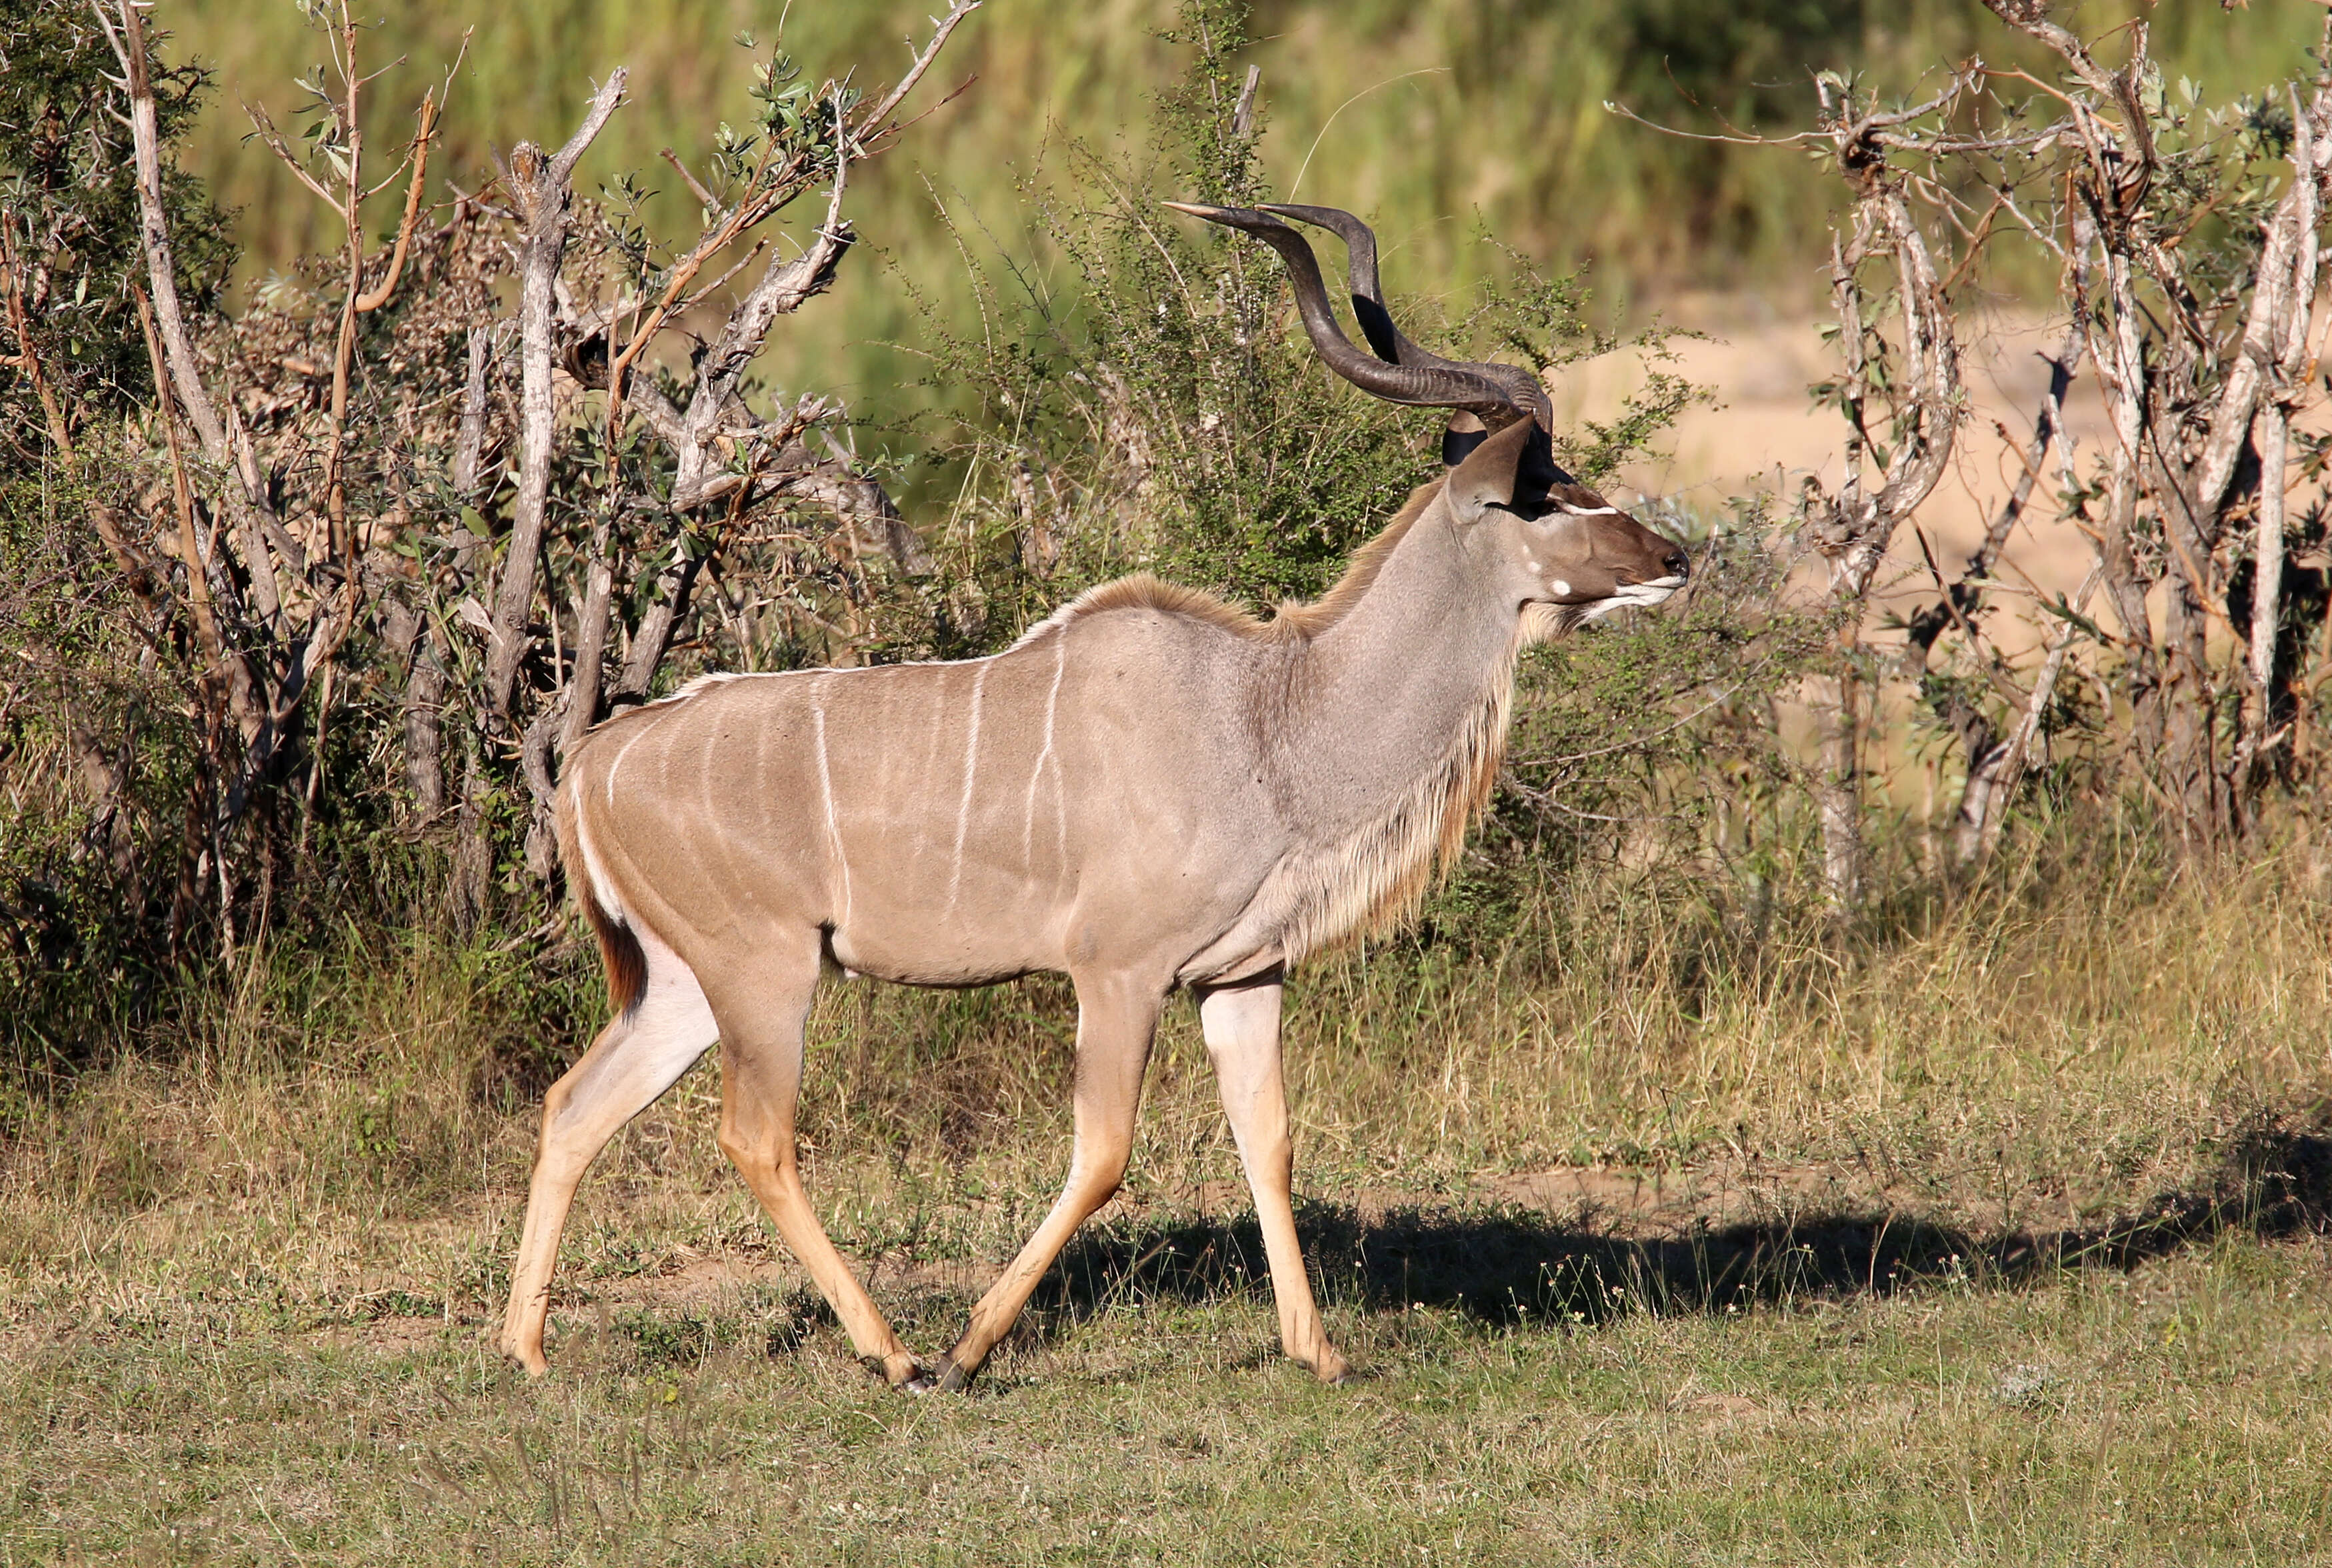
(1368, 879)
(1293, 623)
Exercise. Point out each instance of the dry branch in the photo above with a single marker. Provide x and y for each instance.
(541, 186)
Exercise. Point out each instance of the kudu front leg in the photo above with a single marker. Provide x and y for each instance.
(1116, 1020)
(1241, 1024)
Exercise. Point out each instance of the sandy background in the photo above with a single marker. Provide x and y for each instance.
(1765, 435)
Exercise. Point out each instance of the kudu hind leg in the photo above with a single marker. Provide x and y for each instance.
(760, 1084)
(1116, 1021)
(636, 1057)
(1241, 1024)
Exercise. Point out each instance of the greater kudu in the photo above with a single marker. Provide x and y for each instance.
(1148, 789)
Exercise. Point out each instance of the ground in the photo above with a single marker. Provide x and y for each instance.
(2002, 1239)
(1758, 1367)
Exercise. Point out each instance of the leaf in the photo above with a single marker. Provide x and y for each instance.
(2065, 612)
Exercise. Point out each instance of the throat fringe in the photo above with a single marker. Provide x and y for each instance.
(1371, 880)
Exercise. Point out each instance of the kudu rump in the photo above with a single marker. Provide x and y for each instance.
(1150, 790)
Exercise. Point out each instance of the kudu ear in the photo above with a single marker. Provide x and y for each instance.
(1512, 468)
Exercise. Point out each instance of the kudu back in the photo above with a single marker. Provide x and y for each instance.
(1150, 791)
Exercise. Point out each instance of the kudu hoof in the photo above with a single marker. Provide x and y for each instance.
(1339, 1373)
(947, 1378)
(533, 1364)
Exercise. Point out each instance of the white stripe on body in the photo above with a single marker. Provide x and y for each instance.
(970, 771)
(616, 766)
(1037, 774)
(926, 781)
(826, 791)
(701, 683)
(602, 890)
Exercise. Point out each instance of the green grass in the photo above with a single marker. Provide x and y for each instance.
(2176, 1414)
(1995, 1233)
(1432, 117)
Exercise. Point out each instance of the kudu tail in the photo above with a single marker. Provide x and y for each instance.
(620, 950)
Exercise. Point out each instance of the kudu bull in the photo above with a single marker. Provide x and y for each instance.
(1150, 790)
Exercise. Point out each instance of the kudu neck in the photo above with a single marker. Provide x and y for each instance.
(1388, 687)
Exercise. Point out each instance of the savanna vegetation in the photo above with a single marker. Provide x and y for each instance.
(1729, 1165)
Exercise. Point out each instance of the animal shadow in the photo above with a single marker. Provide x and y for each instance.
(1508, 1266)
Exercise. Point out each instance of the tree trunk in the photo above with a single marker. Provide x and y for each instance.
(474, 852)
(653, 638)
(2270, 432)
(541, 184)
(1840, 798)
(2189, 770)
(424, 732)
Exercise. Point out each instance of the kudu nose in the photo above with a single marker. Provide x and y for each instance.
(1678, 564)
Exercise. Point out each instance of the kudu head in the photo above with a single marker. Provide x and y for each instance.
(1545, 537)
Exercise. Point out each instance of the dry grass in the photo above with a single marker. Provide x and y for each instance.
(1987, 1238)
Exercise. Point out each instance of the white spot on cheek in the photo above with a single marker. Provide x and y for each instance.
(1562, 588)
